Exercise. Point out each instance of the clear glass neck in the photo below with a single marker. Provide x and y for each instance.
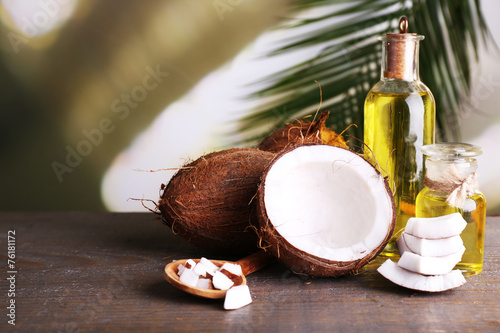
(400, 60)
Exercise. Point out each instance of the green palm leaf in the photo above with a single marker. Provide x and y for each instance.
(348, 65)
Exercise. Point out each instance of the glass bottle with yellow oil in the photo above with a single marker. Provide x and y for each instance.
(399, 119)
(451, 186)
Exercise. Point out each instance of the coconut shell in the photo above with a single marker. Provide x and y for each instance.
(299, 261)
(302, 131)
(208, 201)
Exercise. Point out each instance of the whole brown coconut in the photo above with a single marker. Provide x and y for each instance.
(302, 131)
(324, 210)
(208, 201)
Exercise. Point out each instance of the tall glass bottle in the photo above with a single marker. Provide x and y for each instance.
(451, 186)
(399, 118)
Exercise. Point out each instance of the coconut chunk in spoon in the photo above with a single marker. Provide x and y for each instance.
(221, 281)
(189, 277)
(211, 267)
(233, 269)
(204, 283)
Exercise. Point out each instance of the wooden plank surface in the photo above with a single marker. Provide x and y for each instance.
(81, 272)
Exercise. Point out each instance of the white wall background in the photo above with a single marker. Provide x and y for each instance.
(481, 124)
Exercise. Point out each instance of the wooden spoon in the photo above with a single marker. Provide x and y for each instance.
(248, 265)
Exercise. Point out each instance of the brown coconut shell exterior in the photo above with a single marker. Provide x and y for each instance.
(208, 201)
(300, 132)
(299, 261)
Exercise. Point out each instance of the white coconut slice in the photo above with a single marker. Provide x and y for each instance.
(430, 265)
(200, 269)
(324, 210)
(434, 283)
(180, 269)
(429, 247)
(237, 297)
(190, 264)
(221, 281)
(211, 267)
(402, 247)
(234, 269)
(189, 277)
(436, 227)
(204, 283)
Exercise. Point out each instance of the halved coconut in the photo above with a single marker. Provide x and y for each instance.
(324, 210)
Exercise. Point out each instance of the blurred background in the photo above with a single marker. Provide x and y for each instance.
(100, 97)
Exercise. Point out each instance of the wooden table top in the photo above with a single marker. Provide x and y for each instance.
(80, 271)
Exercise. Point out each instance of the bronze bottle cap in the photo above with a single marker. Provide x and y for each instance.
(400, 48)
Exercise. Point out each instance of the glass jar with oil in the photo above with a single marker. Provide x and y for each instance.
(451, 186)
(399, 119)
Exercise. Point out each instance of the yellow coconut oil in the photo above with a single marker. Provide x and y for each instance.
(450, 187)
(397, 125)
(399, 120)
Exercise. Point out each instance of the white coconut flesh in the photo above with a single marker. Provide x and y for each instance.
(237, 297)
(429, 247)
(416, 281)
(436, 227)
(430, 265)
(328, 202)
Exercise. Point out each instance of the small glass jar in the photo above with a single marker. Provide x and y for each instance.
(451, 186)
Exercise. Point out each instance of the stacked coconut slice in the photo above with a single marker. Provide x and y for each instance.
(430, 248)
(206, 275)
